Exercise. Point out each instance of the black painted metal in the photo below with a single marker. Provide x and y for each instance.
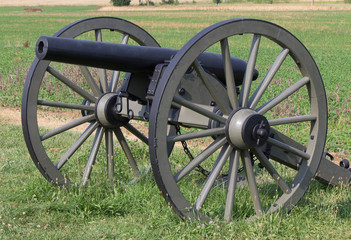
(127, 58)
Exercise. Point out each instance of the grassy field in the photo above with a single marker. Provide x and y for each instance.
(31, 208)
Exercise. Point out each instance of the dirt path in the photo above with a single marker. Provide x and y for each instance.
(10, 115)
(13, 116)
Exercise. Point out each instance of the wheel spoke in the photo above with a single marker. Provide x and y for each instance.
(218, 143)
(250, 67)
(223, 156)
(109, 154)
(67, 126)
(103, 79)
(245, 156)
(116, 74)
(198, 109)
(65, 105)
(221, 101)
(93, 152)
(114, 81)
(267, 79)
(232, 176)
(102, 72)
(71, 85)
(288, 148)
(229, 75)
(271, 170)
(288, 120)
(127, 152)
(199, 134)
(90, 80)
(76, 145)
(283, 95)
(136, 133)
(125, 39)
(98, 35)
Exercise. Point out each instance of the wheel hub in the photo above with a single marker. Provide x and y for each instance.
(247, 129)
(105, 114)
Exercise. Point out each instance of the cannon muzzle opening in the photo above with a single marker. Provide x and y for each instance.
(40, 47)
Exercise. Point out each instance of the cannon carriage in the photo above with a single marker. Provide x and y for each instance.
(262, 119)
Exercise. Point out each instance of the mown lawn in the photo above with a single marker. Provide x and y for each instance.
(31, 208)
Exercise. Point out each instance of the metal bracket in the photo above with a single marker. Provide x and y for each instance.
(331, 173)
(155, 78)
(124, 87)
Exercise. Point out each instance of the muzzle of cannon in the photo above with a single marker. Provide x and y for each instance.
(210, 124)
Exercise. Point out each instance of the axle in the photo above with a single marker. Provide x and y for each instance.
(127, 58)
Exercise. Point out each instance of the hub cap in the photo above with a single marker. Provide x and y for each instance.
(247, 129)
(104, 111)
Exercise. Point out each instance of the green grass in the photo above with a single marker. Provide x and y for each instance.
(31, 208)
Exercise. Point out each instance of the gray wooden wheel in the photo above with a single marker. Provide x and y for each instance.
(84, 96)
(278, 121)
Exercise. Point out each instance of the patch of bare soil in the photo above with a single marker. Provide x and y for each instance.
(50, 121)
(33, 10)
(10, 115)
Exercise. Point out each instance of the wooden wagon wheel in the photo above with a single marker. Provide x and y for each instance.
(85, 96)
(282, 116)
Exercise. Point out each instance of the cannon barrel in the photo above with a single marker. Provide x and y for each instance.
(127, 58)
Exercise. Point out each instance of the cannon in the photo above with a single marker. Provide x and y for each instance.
(218, 129)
